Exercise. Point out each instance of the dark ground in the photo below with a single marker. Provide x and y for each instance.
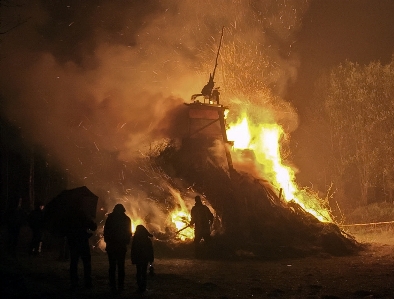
(368, 274)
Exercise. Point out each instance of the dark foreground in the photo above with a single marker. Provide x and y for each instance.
(369, 274)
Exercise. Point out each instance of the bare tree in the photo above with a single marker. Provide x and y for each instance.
(359, 102)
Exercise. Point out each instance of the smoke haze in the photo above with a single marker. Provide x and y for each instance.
(93, 84)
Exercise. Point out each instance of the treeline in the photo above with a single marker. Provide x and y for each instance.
(359, 114)
(26, 173)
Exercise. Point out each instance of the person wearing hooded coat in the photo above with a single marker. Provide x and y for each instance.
(117, 234)
(142, 255)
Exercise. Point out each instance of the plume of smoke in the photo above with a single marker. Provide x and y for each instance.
(94, 85)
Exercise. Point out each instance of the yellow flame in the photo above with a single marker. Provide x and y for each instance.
(264, 141)
(242, 134)
(181, 219)
(134, 223)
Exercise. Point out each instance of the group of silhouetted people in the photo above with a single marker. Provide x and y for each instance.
(117, 236)
(17, 218)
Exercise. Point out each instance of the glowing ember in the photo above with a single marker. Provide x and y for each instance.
(264, 141)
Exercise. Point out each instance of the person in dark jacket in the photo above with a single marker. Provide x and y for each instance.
(142, 255)
(202, 219)
(36, 224)
(117, 234)
(16, 219)
(77, 235)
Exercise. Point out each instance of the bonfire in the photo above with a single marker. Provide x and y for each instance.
(235, 161)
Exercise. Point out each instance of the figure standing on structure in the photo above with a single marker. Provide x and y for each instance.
(202, 219)
(117, 234)
(142, 255)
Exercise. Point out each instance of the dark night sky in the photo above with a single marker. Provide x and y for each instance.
(70, 71)
(335, 30)
(332, 32)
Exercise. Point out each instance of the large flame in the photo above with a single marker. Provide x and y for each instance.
(264, 140)
(181, 220)
(181, 217)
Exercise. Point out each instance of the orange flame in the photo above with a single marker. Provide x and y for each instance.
(264, 140)
(181, 217)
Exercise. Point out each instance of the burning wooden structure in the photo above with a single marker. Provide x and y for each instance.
(206, 120)
(207, 125)
(255, 218)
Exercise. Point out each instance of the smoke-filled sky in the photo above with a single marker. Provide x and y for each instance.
(95, 83)
(333, 31)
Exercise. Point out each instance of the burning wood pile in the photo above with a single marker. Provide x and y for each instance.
(254, 220)
(237, 167)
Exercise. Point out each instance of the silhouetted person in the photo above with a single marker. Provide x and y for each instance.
(78, 241)
(16, 218)
(142, 255)
(117, 234)
(202, 219)
(36, 224)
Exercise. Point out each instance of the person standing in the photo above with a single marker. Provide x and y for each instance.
(16, 218)
(77, 235)
(117, 234)
(202, 219)
(142, 255)
(36, 224)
